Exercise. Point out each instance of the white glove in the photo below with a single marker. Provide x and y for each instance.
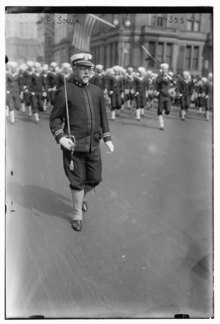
(66, 143)
(110, 146)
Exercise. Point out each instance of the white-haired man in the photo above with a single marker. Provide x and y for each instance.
(88, 123)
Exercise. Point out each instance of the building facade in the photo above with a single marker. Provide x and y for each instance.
(184, 41)
(23, 38)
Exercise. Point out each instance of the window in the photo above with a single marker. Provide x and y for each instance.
(192, 58)
(195, 62)
(160, 50)
(188, 57)
(194, 23)
(116, 52)
(111, 54)
(152, 47)
(169, 54)
(159, 20)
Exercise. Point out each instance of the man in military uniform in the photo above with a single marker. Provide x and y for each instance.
(85, 122)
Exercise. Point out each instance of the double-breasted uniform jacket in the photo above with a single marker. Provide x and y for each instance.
(141, 85)
(185, 88)
(87, 115)
(163, 85)
(115, 84)
(99, 80)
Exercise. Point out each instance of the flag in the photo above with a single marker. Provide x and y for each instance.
(82, 32)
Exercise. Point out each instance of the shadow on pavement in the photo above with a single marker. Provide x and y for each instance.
(38, 198)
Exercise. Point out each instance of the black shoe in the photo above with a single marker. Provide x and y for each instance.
(76, 225)
(84, 206)
(162, 128)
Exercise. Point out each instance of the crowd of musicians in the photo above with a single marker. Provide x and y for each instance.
(32, 87)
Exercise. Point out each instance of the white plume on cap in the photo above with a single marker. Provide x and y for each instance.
(164, 66)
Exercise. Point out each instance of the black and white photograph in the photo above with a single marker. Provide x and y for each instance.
(109, 177)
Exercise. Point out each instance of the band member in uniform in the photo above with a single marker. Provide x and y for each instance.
(45, 95)
(26, 88)
(184, 89)
(65, 72)
(163, 84)
(36, 90)
(206, 91)
(51, 82)
(141, 87)
(81, 105)
(129, 87)
(99, 77)
(115, 88)
(12, 90)
(22, 80)
(210, 80)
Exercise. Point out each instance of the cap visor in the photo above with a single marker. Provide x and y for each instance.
(86, 63)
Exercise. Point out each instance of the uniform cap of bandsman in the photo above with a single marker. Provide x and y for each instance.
(82, 59)
(186, 75)
(164, 66)
(23, 67)
(53, 64)
(130, 69)
(37, 65)
(45, 67)
(210, 76)
(122, 70)
(149, 73)
(13, 66)
(30, 63)
(66, 67)
(116, 68)
(204, 80)
(142, 70)
(99, 67)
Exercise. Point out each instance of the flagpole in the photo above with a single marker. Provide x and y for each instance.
(102, 20)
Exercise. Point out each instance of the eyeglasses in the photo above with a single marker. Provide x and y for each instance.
(84, 68)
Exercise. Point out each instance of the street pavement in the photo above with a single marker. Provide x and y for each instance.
(146, 246)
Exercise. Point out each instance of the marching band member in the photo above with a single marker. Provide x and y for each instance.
(163, 84)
